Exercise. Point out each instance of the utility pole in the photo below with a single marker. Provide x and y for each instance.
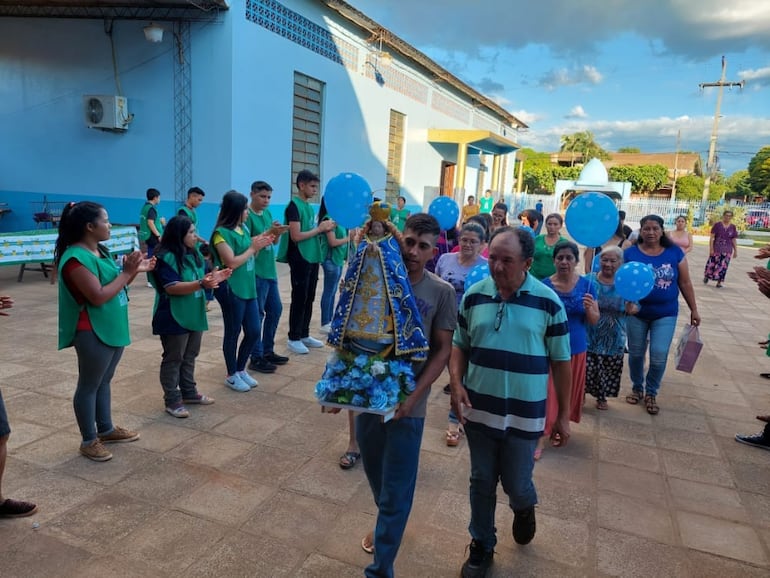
(710, 164)
(676, 164)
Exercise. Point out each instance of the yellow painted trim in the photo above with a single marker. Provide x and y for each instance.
(470, 136)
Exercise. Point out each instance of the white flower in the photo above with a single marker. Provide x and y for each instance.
(333, 357)
(378, 368)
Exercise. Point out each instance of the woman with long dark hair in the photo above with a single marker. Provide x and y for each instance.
(93, 317)
(655, 322)
(234, 248)
(180, 312)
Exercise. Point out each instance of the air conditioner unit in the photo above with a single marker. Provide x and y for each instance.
(106, 112)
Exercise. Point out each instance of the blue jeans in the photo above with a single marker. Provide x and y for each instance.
(332, 274)
(237, 313)
(269, 309)
(661, 333)
(92, 400)
(390, 452)
(510, 459)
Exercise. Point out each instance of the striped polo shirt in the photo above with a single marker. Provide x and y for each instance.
(507, 376)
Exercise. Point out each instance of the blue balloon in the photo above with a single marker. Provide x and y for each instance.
(478, 273)
(528, 229)
(347, 197)
(591, 219)
(634, 280)
(445, 210)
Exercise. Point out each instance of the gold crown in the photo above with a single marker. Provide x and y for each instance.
(379, 211)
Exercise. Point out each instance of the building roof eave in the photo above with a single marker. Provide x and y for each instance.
(407, 50)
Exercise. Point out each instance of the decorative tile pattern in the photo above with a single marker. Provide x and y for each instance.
(449, 107)
(277, 18)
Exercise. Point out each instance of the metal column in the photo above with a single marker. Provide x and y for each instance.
(182, 112)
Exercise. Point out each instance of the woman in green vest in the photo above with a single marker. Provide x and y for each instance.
(234, 248)
(93, 317)
(180, 312)
(334, 249)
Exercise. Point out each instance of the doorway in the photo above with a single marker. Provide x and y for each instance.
(447, 185)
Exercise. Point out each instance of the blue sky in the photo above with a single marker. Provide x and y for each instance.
(629, 74)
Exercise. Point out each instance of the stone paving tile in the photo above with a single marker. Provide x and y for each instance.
(637, 516)
(631, 482)
(252, 482)
(707, 534)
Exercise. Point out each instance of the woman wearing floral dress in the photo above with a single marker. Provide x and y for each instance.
(607, 339)
(723, 245)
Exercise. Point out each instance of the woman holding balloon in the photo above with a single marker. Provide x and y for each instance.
(607, 339)
(542, 262)
(576, 293)
(656, 319)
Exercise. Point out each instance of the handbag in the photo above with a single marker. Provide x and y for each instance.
(688, 349)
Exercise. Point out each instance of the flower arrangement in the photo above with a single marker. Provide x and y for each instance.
(365, 382)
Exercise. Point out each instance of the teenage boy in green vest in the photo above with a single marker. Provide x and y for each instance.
(150, 226)
(260, 220)
(194, 199)
(301, 249)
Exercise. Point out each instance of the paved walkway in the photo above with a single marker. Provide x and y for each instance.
(250, 486)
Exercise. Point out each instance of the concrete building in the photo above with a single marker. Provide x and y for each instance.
(99, 103)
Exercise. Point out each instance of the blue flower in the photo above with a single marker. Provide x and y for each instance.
(361, 360)
(379, 400)
(358, 401)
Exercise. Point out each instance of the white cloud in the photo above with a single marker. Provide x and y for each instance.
(739, 137)
(576, 112)
(527, 117)
(566, 77)
(758, 77)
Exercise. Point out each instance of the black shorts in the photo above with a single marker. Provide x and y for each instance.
(5, 427)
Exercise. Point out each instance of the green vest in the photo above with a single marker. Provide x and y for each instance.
(264, 261)
(242, 282)
(188, 310)
(188, 212)
(310, 249)
(110, 320)
(399, 217)
(337, 254)
(144, 229)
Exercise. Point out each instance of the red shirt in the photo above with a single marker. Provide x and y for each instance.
(84, 322)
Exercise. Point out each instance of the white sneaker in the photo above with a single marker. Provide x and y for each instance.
(235, 382)
(149, 285)
(326, 328)
(297, 347)
(247, 379)
(312, 342)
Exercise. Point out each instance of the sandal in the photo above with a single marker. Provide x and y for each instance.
(349, 459)
(16, 509)
(367, 543)
(634, 397)
(452, 438)
(652, 407)
(602, 404)
(765, 375)
(764, 418)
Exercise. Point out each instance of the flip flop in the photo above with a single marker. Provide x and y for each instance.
(367, 543)
(765, 375)
(764, 418)
(349, 459)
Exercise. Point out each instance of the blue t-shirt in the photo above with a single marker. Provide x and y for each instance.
(608, 336)
(663, 300)
(576, 313)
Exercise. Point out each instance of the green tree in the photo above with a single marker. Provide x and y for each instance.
(629, 150)
(538, 179)
(583, 144)
(759, 172)
(644, 179)
(738, 186)
(689, 188)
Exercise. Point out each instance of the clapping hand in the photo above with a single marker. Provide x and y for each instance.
(763, 253)
(214, 278)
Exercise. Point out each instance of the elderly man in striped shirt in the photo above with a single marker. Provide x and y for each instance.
(511, 331)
